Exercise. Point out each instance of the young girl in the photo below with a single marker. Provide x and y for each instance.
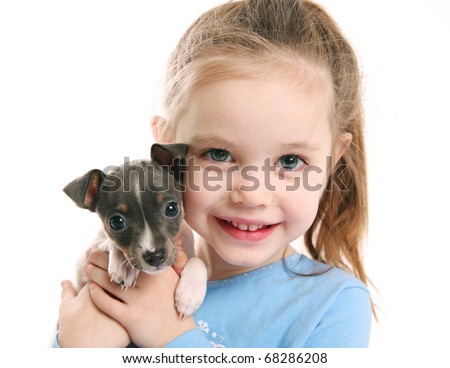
(266, 94)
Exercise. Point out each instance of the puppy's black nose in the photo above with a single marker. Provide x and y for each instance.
(154, 258)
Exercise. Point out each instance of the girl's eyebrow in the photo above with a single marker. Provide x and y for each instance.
(302, 145)
(211, 140)
(214, 140)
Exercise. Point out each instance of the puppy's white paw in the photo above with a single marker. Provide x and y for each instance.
(125, 277)
(191, 288)
(121, 272)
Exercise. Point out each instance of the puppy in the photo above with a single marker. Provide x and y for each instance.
(140, 205)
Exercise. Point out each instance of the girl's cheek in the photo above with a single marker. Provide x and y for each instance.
(196, 196)
(194, 180)
(313, 179)
(192, 207)
(205, 177)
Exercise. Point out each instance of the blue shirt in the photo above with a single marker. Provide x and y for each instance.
(272, 307)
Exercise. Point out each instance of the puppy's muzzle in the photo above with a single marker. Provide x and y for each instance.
(155, 258)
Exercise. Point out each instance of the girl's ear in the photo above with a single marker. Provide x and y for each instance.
(156, 123)
(342, 145)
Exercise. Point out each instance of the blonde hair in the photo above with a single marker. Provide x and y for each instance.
(224, 41)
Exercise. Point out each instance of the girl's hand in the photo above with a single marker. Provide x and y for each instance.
(82, 324)
(147, 311)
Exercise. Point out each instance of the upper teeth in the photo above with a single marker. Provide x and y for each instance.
(244, 227)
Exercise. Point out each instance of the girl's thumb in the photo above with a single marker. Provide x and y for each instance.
(68, 292)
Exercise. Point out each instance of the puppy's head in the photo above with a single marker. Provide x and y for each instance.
(140, 205)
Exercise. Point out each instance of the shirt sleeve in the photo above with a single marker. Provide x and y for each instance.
(192, 339)
(346, 324)
(55, 343)
(195, 338)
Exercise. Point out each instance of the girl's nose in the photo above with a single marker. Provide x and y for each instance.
(249, 189)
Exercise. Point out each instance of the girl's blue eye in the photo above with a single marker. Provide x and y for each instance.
(218, 155)
(291, 162)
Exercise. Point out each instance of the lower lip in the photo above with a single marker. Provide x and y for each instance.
(245, 235)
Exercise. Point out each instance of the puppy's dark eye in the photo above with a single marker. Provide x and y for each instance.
(172, 209)
(117, 222)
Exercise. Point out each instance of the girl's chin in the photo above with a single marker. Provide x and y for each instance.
(247, 258)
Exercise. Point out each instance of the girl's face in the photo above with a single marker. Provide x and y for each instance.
(257, 166)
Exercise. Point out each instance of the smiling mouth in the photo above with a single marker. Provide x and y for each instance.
(247, 231)
(247, 227)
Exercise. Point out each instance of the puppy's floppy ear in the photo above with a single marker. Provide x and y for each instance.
(164, 154)
(84, 191)
(172, 155)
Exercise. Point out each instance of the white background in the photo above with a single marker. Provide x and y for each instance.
(79, 82)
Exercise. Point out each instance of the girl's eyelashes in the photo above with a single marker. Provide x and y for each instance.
(291, 162)
(218, 155)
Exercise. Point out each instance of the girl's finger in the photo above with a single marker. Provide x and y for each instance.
(106, 303)
(68, 292)
(102, 278)
(98, 258)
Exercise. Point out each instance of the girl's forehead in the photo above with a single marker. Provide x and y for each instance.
(290, 72)
(257, 110)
